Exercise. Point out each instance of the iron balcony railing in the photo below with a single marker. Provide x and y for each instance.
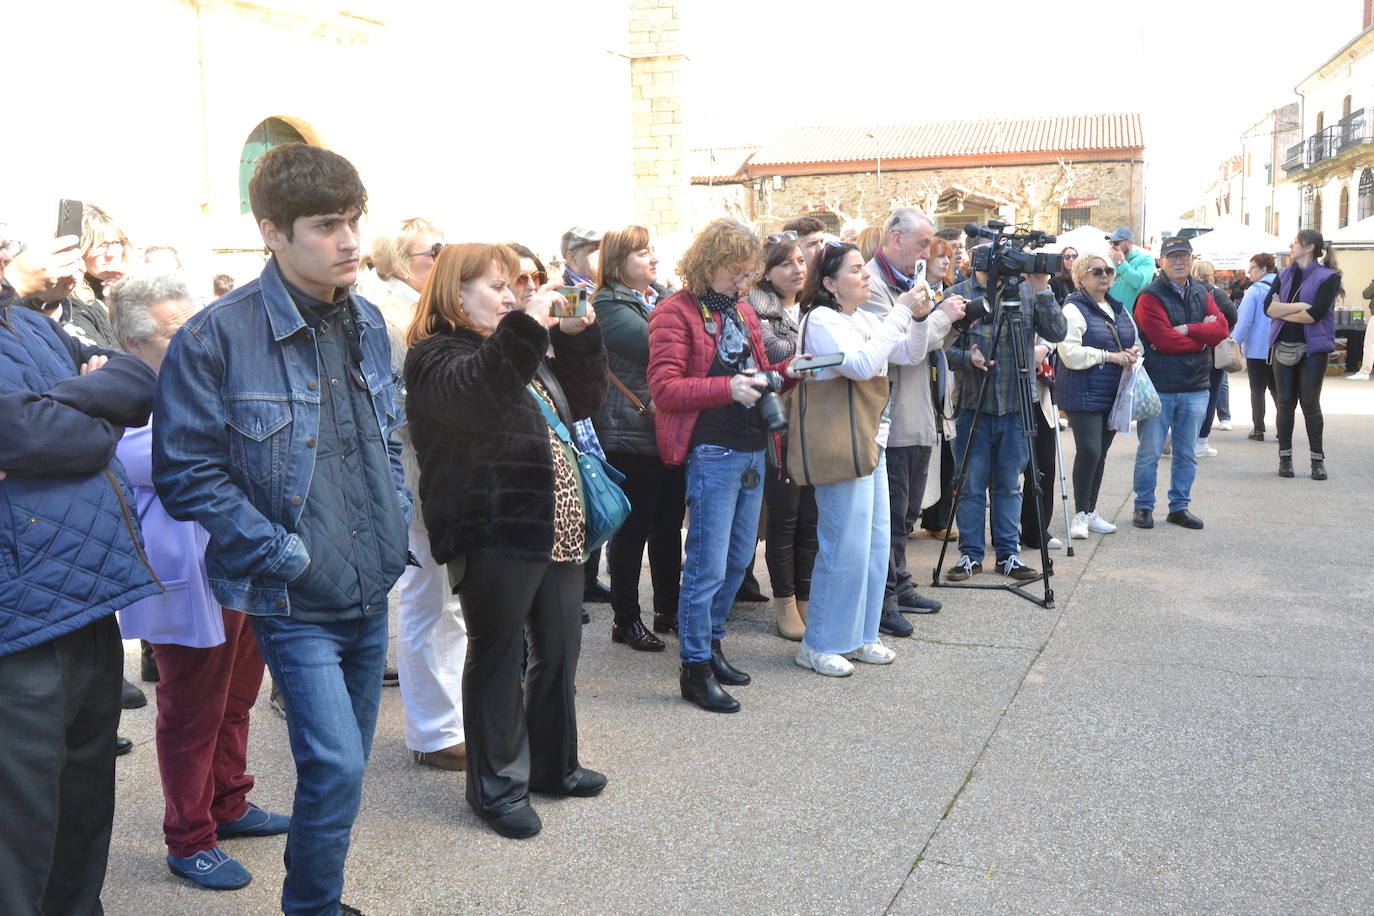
(1348, 133)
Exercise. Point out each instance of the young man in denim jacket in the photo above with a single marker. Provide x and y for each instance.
(274, 414)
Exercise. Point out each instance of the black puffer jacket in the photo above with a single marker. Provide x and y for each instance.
(486, 470)
(624, 323)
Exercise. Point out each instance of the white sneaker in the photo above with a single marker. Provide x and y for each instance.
(1054, 544)
(1203, 450)
(872, 653)
(1224, 424)
(1099, 525)
(827, 663)
(1078, 528)
(1358, 377)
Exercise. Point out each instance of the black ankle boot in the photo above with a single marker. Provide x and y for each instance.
(149, 665)
(665, 623)
(1318, 468)
(725, 672)
(699, 685)
(1285, 465)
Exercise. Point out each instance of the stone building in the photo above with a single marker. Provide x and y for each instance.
(1052, 173)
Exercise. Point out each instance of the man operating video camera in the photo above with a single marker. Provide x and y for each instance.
(1000, 451)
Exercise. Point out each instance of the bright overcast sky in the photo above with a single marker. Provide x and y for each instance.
(1199, 72)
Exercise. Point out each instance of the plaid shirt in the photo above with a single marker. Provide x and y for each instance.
(1003, 396)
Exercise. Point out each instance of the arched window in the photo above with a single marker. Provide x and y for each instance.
(1309, 196)
(1366, 193)
(1321, 121)
(1345, 108)
(1317, 209)
(1343, 216)
(269, 133)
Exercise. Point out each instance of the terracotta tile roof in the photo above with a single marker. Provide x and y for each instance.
(953, 139)
(719, 163)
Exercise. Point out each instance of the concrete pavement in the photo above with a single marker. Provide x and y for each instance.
(1188, 730)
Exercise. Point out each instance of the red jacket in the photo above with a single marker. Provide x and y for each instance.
(680, 355)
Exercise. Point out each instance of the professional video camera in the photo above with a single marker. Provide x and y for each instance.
(1007, 255)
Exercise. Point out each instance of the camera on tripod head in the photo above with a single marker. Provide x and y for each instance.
(1008, 256)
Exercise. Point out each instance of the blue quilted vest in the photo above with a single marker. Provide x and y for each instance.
(67, 546)
(1095, 389)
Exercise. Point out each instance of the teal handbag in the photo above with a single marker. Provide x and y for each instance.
(606, 504)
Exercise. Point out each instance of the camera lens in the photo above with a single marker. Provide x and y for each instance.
(771, 410)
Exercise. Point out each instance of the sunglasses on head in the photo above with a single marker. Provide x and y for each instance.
(432, 250)
(777, 237)
(1102, 271)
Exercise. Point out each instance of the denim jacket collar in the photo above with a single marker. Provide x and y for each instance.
(282, 313)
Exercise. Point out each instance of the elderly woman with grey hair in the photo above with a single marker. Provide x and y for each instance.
(208, 659)
(431, 634)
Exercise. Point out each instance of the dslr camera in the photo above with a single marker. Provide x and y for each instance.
(770, 405)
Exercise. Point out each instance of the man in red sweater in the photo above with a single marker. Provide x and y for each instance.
(1178, 322)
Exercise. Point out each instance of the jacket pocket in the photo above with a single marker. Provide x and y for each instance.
(259, 446)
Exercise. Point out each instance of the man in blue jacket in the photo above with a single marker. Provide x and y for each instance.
(70, 556)
(272, 429)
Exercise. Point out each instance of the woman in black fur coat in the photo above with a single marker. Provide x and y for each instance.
(501, 502)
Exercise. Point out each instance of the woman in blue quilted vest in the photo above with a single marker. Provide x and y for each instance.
(1101, 341)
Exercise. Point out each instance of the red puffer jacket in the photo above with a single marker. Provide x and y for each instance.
(680, 355)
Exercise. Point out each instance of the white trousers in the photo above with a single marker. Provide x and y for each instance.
(431, 645)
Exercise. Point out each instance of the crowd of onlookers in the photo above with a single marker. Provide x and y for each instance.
(249, 478)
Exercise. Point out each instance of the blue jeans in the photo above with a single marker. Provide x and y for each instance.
(720, 542)
(995, 462)
(330, 676)
(851, 569)
(1182, 413)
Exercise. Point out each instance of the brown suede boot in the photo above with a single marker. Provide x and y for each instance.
(790, 624)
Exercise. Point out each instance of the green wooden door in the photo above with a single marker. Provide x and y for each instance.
(270, 133)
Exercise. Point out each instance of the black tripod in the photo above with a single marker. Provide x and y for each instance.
(1004, 304)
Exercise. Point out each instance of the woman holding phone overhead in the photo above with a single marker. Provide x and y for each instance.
(854, 530)
(502, 502)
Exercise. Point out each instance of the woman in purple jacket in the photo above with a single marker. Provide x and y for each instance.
(1302, 304)
(208, 659)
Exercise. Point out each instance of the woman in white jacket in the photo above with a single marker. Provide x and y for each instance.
(851, 569)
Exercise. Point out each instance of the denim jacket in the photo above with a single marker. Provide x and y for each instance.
(236, 416)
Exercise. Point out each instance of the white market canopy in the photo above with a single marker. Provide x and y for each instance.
(1083, 239)
(1356, 235)
(1231, 245)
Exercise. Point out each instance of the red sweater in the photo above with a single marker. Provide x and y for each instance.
(680, 355)
(1154, 321)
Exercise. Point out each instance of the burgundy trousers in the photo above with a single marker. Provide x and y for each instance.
(203, 700)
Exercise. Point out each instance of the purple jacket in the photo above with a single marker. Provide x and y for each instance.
(1321, 335)
(187, 614)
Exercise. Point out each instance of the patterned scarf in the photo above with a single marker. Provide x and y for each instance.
(732, 338)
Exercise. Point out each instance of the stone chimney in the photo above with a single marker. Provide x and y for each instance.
(660, 180)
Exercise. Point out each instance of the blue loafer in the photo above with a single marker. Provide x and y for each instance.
(255, 822)
(211, 869)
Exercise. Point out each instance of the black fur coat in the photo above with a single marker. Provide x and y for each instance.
(486, 469)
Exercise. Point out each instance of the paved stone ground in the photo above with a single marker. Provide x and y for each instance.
(1188, 730)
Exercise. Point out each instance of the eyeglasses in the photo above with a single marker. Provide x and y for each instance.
(1069, 257)
(536, 277)
(1102, 271)
(105, 249)
(777, 237)
(432, 250)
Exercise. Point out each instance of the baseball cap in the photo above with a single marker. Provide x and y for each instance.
(1121, 235)
(1175, 244)
(577, 237)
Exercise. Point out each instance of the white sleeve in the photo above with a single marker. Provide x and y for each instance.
(1072, 353)
(865, 354)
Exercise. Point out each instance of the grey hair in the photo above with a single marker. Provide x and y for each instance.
(905, 220)
(135, 294)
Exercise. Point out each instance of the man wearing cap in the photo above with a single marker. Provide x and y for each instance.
(580, 247)
(1178, 321)
(1134, 267)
